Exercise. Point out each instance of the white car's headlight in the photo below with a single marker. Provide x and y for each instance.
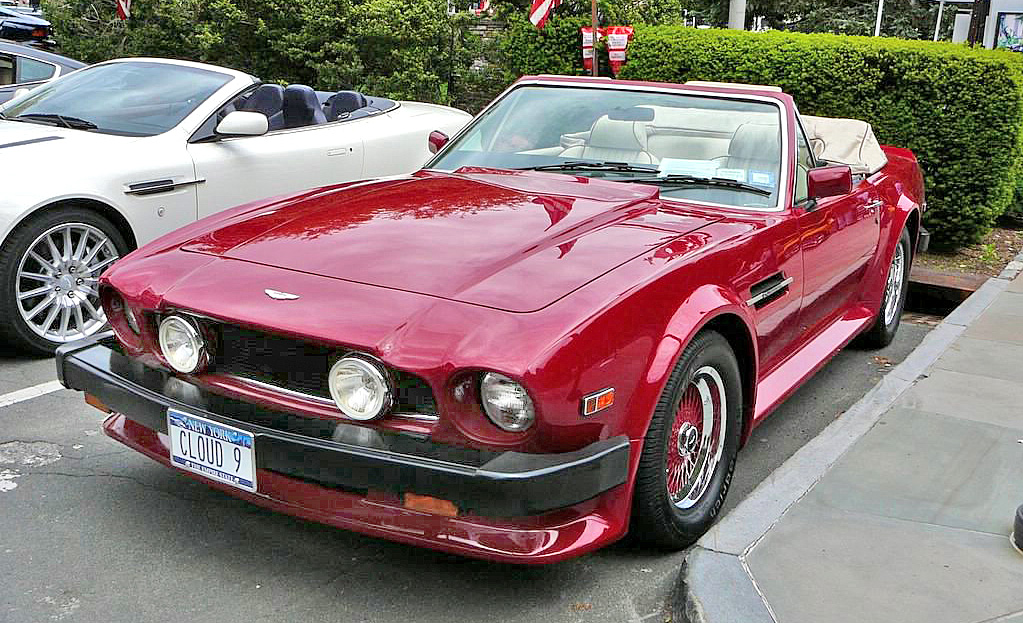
(360, 388)
(182, 344)
(506, 402)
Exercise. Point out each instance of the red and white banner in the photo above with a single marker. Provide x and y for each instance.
(124, 9)
(618, 38)
(541, 10)
(588, 45)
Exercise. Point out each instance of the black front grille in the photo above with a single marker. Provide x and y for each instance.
(301, 367)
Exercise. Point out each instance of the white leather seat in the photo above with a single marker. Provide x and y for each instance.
(755, 147)
(614, 141)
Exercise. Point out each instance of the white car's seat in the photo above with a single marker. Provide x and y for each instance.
(614, 141)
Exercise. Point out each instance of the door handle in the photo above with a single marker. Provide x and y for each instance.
(874, 205)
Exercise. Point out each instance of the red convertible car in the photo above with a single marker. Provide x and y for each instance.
(561, 329)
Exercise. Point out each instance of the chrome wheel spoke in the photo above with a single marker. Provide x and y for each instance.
(100, 266)
(30, 293)
(95, 313)
(55, 256)
(38, 308)
(50, 317)
(46, 264)
(35, 276)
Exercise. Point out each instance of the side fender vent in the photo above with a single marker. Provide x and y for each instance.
(770, 289)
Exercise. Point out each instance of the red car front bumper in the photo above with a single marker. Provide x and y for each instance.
(515, 507)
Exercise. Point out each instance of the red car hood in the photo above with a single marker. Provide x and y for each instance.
(515, 241)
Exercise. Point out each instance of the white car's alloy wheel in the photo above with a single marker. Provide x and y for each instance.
(56, 282)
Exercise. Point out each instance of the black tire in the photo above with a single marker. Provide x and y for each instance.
(656, 519)
(14, 330)
(882, 332)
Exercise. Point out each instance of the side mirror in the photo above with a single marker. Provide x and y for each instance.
(437, 140)
(243, 123)
(21, 91)
(829, 182)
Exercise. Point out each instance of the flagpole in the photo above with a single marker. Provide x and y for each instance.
(593, 24)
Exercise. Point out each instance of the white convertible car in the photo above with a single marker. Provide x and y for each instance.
(111, 156)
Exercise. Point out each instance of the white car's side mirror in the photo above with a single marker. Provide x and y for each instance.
(243, 123)
(21, 92)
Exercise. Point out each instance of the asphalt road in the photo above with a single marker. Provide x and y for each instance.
(90, 531)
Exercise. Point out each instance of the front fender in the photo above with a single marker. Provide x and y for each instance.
(709, 304)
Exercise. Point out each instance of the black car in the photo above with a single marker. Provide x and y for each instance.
(16, 25)
(23, 67)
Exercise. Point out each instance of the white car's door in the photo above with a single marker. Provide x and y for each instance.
(242, 169)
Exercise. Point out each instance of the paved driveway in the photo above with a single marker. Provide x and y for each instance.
(90, 531)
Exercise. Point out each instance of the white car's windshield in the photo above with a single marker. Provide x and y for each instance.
(133, 98)
(700, 148)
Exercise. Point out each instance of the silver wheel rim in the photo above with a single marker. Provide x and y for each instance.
(55, 286)
(893, 288)
(697, 439)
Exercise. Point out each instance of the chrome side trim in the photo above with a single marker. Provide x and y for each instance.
(327, 402)
(158, 186)
(768, 293)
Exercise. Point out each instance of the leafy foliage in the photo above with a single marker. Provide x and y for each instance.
(959, 109)
(396, 48)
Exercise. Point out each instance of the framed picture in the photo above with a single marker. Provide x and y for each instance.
(1010, 32)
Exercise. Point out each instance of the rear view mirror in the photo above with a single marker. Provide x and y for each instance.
(829, 181)
(243, 123)
(437, 140)
(21, 92)
(636, 113)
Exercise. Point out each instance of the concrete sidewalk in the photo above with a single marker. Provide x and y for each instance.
(901, 509)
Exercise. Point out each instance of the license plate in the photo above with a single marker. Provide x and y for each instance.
(222, 453)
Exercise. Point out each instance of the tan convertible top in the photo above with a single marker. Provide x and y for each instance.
(845, 141)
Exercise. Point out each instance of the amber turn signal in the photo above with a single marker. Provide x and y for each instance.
(431, 505)
(598, 401)
(96, 402)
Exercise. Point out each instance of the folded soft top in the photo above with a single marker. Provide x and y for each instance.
(845, 141)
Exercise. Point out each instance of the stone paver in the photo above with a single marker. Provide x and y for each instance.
(824, 565)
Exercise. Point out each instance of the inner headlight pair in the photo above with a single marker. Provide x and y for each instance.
(360, 387)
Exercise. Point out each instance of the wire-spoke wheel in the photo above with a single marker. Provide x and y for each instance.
(53, 276)
(697, 437)
(690, 447)
(894, 298)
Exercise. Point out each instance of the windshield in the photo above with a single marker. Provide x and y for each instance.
(697, 148)
(130, 99)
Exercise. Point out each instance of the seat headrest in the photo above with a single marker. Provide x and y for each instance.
(267, 99)
(753, 141)
(301, 107)
(344, 102)
(610, 134)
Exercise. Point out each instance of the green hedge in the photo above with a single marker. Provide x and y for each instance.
(959, 109)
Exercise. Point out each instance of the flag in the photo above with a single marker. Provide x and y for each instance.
(124, 9)
(541, 10)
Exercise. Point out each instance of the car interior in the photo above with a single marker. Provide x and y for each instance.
(298, 105)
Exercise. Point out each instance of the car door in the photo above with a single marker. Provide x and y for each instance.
(237, 170)
(20, 72)
(838, 236)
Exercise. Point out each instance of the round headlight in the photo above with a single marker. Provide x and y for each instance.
(360, 388)
(506, 402)
(182, 344)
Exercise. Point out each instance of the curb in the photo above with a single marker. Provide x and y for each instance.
(715, 583)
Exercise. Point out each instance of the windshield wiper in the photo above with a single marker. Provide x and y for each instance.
(692, 180)
(581, 165)
(73, 123)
